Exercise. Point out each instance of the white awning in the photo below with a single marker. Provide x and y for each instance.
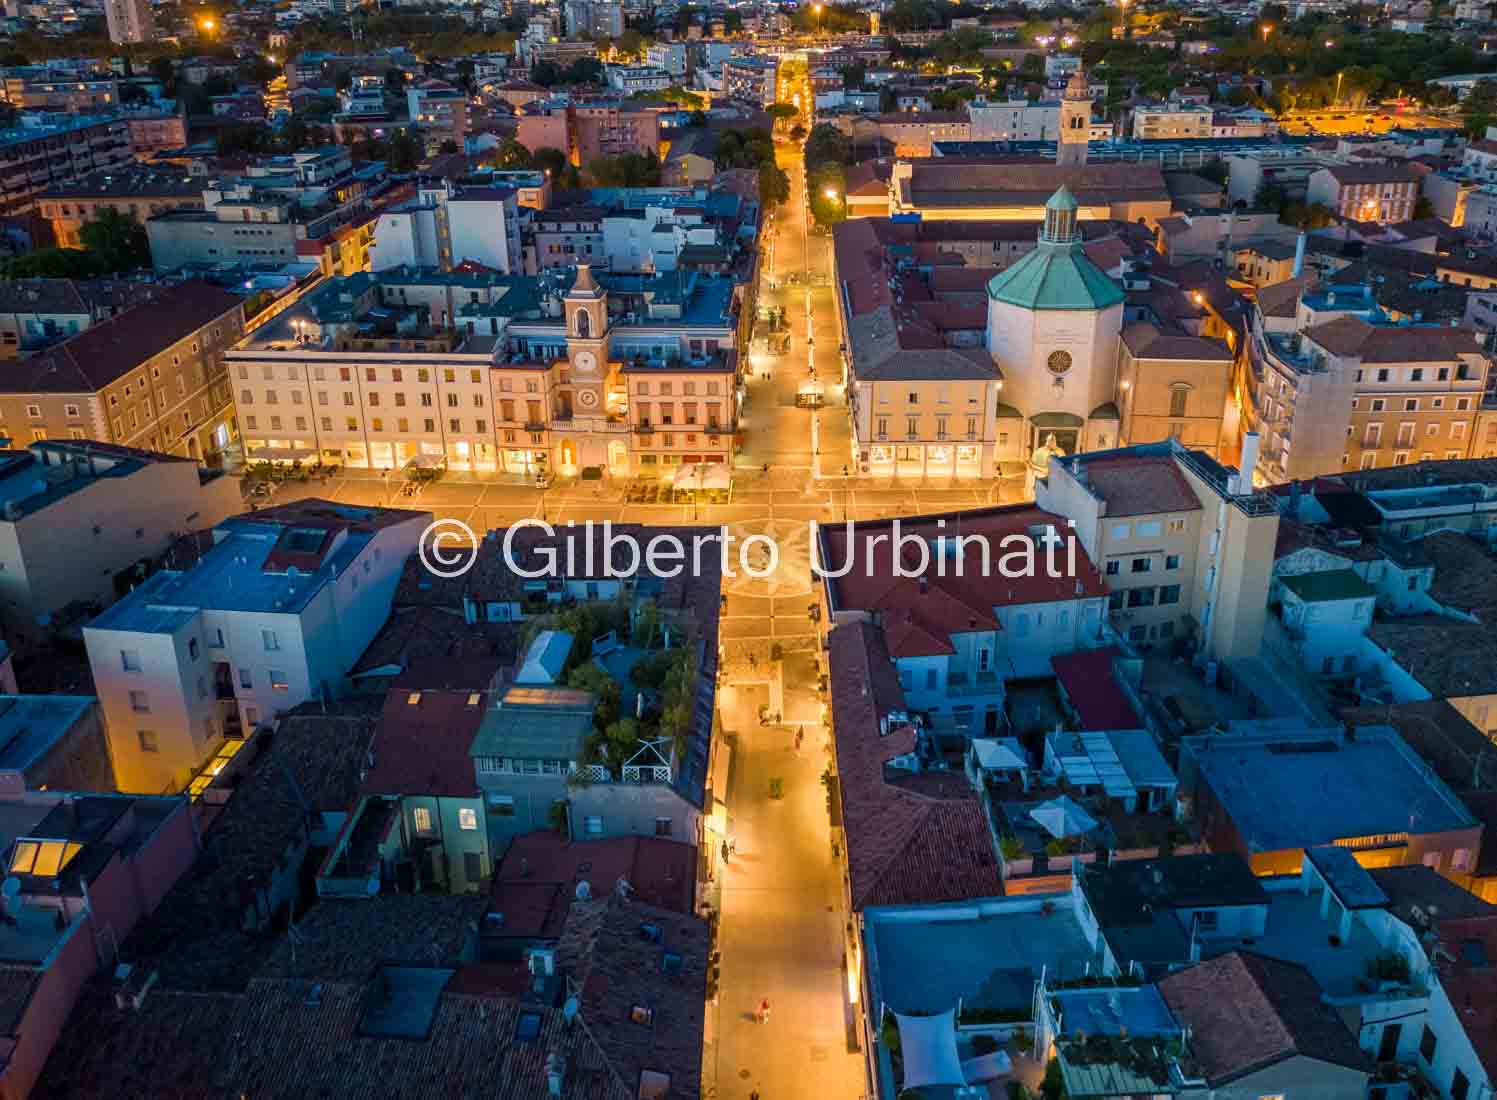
(1062, 817)
(282, 454)
(928, 1044)
(998, 755)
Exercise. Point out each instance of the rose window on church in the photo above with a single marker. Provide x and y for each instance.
(1059, 362)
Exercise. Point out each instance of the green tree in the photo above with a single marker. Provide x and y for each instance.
(554, 163)
(405, 151)
(510, 154)
(774, 186)
(117, 240)
(585, 70)
(52, 263)
(828, 193)
(626, 170)
(781, 112)
(631, 43)
(604, 688)
(827, 145)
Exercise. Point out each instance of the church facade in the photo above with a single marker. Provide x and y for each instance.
(1054, 321)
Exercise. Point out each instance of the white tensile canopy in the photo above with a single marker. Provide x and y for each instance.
(928, 1044)
(1062, 817)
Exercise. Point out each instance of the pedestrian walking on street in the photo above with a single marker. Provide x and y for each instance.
(726, 851)
(764, 1011)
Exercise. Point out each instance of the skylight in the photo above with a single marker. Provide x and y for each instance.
(43, 857)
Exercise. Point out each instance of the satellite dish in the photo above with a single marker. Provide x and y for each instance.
(569, 1010)
(584, 890)
(11, 887)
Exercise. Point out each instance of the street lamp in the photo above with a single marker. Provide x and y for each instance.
(1267, 30)
(831, 193)
(1338, 84)
(817, 9)
(207, 23)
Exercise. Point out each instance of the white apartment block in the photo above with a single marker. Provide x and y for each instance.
(444, 226)
(275, 613)
(110, 506)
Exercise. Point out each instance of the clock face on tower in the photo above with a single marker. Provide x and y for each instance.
(585, 361)
(1059, 362)
(587, 398)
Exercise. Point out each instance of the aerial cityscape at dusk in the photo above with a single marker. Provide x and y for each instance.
(879, 550)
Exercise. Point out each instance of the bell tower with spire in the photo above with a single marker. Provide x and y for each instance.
(1075, 121)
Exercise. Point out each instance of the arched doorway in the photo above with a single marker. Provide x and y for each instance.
(568, 454)
(618, 457)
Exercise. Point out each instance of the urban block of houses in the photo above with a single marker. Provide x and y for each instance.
(275, 613)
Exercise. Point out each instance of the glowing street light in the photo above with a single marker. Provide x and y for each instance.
(831, 193)
(1267, 30)
(208, 23)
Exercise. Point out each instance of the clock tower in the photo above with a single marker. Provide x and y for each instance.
(586, 309)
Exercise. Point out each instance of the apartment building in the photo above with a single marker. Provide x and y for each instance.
(1341, 388)
(445, 226)
(37, 313)
(149, 377)
(80, 93)
(1185, 546)
(565, 236)
(1171, 122)
(276, 612)
(479, 371)
(113, 507)
(1381, 193)
(750, 79)
(590, 128)
(956, 630)
(134, 191)
(153, 130)
(46, 150)
(438, 111)
(129, 20)
(86, 869)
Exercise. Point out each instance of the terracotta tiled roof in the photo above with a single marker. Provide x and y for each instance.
(1145, 341)
(312, 761)
(421, 743)
(538, 877)
(1136, 485)
(909, 838)
(1471, 982)
(949, 604)
(621, 956)
(349, 939)
(1352, 336)
(1246, 1012)
(1282, 299)
(1091, 685)
(103, 352)
(1371, 173)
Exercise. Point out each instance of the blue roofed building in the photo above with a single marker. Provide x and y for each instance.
(276, 612)
(1268, 790)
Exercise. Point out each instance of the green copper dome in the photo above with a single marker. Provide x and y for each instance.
(1056, 275)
